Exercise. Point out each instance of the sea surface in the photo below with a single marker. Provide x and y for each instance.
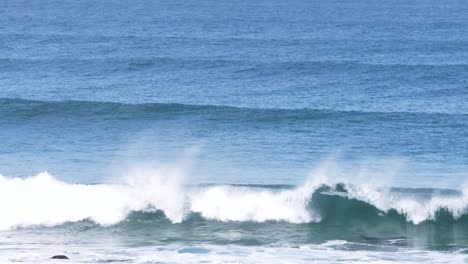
(243, 131)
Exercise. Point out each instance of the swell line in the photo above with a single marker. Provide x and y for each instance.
(11, 107)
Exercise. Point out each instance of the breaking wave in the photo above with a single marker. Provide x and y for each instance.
(46, 201)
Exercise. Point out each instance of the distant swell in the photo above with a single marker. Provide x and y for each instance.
(44, 200)
(21, 109)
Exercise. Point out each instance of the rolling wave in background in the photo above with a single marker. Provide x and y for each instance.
(22, 108)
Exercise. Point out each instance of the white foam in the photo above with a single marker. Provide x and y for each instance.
(227, 203)
(45, 200)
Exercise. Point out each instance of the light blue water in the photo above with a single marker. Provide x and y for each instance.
(260, 92)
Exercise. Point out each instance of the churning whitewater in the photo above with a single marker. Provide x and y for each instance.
(43, 200)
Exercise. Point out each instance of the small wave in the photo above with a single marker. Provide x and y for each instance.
(20, 109)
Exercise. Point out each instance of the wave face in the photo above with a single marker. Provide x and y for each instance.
(317, 211)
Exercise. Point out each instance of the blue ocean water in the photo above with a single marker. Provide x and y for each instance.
(202, 127)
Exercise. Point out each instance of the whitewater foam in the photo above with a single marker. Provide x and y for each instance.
(44, 200)
(227, 203)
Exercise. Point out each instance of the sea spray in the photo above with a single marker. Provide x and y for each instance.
(158, 188)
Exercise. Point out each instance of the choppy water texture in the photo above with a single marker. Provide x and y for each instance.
(237, 132)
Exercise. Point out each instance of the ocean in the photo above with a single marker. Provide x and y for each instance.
(244, 131)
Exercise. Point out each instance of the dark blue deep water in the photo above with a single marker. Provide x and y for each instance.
(257, 95)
